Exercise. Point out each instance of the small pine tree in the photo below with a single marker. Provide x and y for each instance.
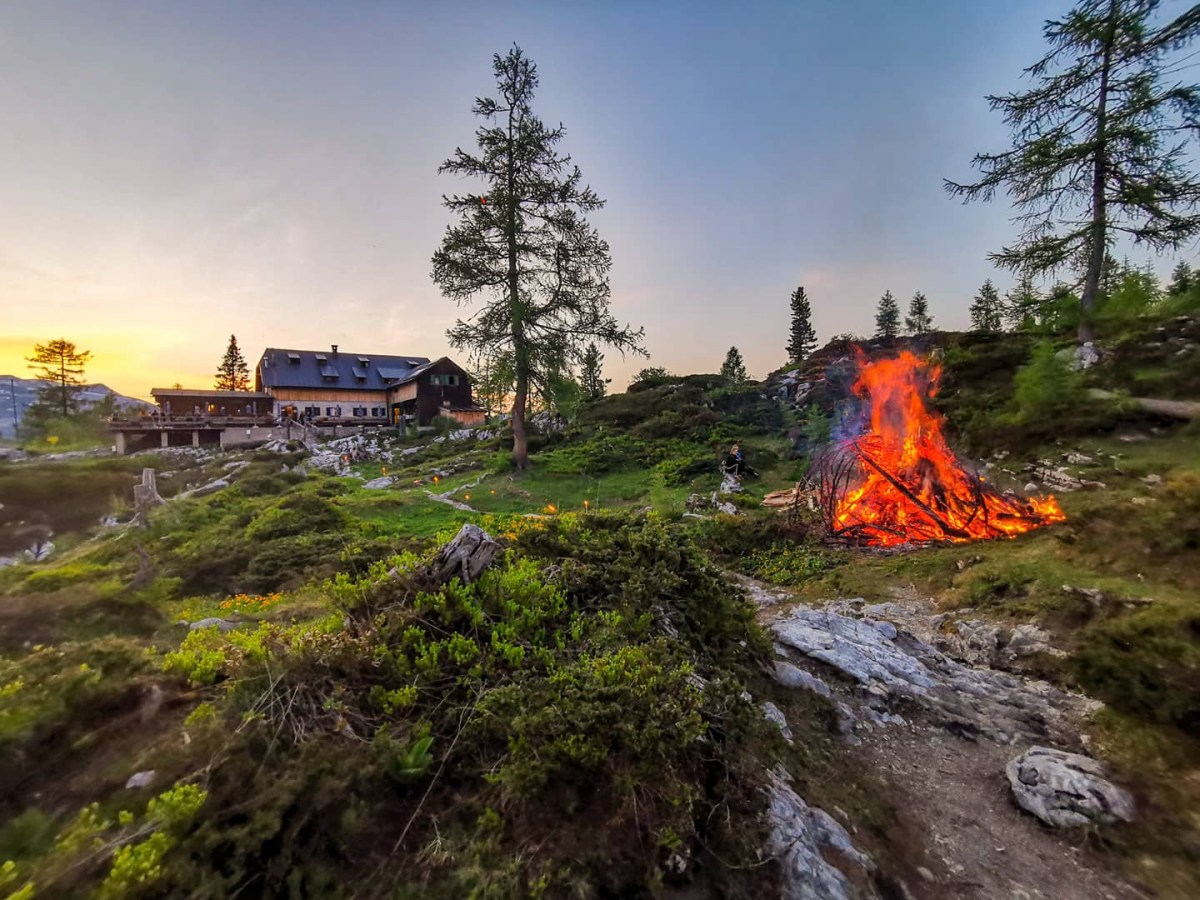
(734, 369)
(591, 378)
(1181, 280)
(985, 310)
(887, 317)
(803, 338)
(233, 374)
(1021, 309)
(918, 320)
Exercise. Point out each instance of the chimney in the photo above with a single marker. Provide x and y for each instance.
(334, 346)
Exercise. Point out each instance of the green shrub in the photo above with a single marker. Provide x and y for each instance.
(1046, 386)
(1146, 663)
(296, 515)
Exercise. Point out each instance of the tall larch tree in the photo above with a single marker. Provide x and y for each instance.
(733, 369)
(591, 373)
(1099, 144)
(887, 317)
(986, 309)
(918, 320)
(233, 374)
(802, 338)
(523, 242)
(60, 363)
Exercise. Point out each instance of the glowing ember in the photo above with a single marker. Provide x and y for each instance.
(899, 483)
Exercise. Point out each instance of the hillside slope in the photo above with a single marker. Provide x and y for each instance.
(270, 689)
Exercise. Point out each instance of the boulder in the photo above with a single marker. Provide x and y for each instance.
(1065, 790)
(730, 485)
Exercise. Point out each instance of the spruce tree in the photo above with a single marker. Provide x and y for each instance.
(1021, 309)
(887, 317)
(523, 242)
(1182, 279)
(986, 309)
(61, 364)
(591, 376)
(803, 339)
(233, 374)
(733, 369)
(1104, 130)
(918, 320)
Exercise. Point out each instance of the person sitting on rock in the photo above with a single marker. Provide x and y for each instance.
(735, 464)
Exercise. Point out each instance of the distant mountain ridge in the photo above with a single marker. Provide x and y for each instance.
(23, 393)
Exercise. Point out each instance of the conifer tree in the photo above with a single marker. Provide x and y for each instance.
(918, 320)
(887, 317)
(61, 364)
(1104, 130)
(1182, 280)
(591, 377)
(233, 374)
(803, 339)
(986, 310)
(523, 242)
(733, 369)
(1021, 310)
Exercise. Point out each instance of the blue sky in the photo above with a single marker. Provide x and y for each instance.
(174, 172)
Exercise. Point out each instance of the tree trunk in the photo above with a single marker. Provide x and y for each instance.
(1091, 285)
(520, 352)
(520, 401)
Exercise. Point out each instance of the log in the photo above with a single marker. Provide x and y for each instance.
(465, 557)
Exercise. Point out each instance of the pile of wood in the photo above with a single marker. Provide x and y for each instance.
(792, 499)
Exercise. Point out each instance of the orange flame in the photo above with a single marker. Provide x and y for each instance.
(908, 486)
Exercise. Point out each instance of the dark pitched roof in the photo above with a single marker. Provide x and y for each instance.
(421, 370)
(345, 370)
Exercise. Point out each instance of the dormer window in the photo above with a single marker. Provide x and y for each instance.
(294, 359)
(321, 358)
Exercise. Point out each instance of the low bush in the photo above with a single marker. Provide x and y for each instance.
(1146, 663)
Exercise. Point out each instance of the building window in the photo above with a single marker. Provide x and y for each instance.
(329, 410)
(378, 411)
(311, 411)
(447, 380)
(360, 411)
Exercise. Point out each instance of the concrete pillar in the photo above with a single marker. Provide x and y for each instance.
(195, 439)
(164, 437)
(122, 447)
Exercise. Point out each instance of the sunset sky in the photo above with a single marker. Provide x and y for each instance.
(176, 172)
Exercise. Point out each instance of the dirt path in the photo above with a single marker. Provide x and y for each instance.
(942, 754)
(977, 844)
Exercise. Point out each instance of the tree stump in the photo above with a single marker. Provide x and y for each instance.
(145, 497)
(465, 557)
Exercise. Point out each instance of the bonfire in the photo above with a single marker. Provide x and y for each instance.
(891, 479)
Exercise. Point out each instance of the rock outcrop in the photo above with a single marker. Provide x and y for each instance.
(804, 839)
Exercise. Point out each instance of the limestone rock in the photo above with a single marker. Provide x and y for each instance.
(892, 675)
(140, 779)
(221, 624)
(793, 677)
(775, 714)
(376, 484)
(804, 839)
(1066, 789)
(730, 485)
